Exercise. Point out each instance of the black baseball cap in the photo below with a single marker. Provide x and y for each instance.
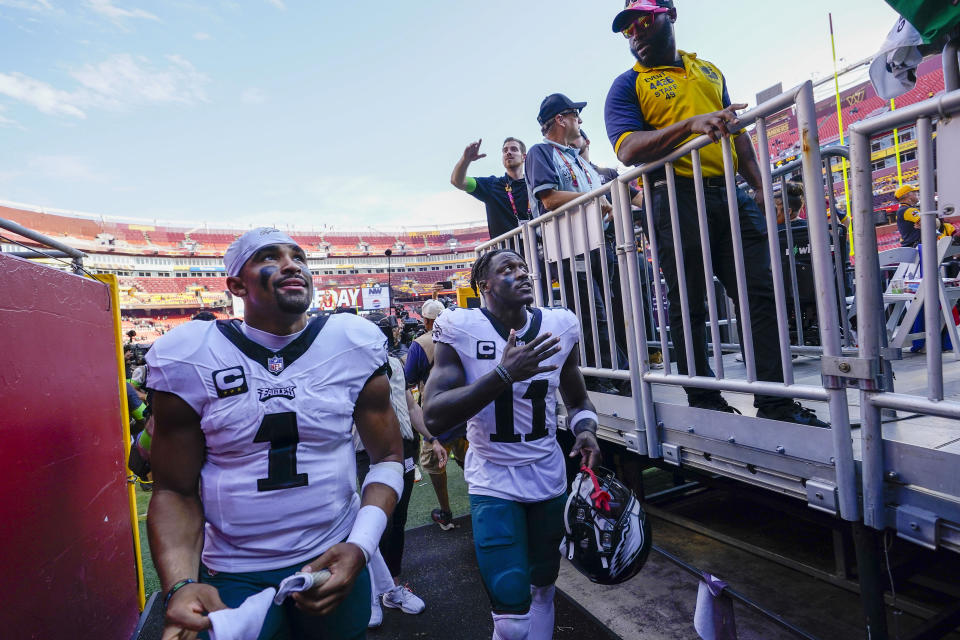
(557, 103)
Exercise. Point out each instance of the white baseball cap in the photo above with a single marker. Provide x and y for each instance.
(431, 309)
(249, 243)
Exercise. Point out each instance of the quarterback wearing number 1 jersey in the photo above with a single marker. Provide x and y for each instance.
(253, 461)
(513, 450)
(278, 433)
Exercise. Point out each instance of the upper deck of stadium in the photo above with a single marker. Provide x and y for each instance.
(99, 233)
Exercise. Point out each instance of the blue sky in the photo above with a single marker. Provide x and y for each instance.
(349, 115)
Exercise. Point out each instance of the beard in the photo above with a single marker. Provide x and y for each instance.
(295, 303)
(659, 48)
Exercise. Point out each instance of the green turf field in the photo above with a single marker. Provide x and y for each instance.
(422, 502)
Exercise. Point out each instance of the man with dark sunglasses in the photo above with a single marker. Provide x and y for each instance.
(557, 174)
(668, 97)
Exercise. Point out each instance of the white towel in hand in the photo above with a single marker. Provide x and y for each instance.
(300, 581)
(244, 622)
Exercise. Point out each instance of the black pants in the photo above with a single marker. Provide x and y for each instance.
(584, 285)
(763, 315)
(392, 541)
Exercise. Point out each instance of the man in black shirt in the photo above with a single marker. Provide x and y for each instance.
(505, 196)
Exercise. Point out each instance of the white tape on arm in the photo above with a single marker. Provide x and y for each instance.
(581, 417)
(388, 473)
(367, 529)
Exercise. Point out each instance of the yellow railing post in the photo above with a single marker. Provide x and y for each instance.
(111, 280)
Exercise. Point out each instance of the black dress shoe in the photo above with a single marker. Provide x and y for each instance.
(714, 404)
(793, 412)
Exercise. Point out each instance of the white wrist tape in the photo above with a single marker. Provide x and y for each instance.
(388, 473)
(582, 416)
(367, 529)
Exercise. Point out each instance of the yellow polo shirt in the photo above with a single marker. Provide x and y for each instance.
(651, 98)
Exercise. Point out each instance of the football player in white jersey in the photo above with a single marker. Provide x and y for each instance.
(499, 368)
(253, 462)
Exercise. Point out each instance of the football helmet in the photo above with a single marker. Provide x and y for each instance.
(608, 537)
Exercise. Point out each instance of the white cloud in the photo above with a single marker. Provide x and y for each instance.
(279, 4)
(200, 35)
(64, 167)
(116, 14)
(40, 95)
(119, 82)
(29, 5)
(252, 96)
(123, 80)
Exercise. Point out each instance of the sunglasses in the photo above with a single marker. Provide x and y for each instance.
(645, 21)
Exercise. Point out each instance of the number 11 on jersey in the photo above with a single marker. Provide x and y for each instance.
(503, 407)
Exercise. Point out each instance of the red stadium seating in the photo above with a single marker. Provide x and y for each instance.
(929, 84)
(55, 226)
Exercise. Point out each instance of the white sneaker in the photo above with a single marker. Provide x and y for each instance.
(404, 599)
(738, 357)
(417, 476)
(376, 614)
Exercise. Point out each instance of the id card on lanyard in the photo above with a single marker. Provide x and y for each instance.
(513, 204)
(573, 175)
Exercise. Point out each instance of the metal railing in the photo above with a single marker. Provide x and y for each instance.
(597, 265)
(873, 396)
(568, 244)
(62, 249)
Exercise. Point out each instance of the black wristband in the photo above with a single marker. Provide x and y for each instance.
(589, 426)
(432, 439)
(175, 588)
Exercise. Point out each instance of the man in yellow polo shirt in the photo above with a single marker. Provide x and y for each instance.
(908, 217)
(668, 97)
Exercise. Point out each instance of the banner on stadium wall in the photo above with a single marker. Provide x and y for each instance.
(366, 298)
(376, 298)
(330, 299)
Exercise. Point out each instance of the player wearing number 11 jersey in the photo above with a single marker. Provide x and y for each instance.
(253, 455)
(499, 368)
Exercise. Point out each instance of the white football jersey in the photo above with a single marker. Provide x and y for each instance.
(513, 451)
(279, 480)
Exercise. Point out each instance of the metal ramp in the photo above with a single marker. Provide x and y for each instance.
(713, 442)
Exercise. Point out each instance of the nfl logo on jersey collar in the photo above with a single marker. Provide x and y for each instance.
(275, 364)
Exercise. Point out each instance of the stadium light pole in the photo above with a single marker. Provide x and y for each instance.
(388, 253)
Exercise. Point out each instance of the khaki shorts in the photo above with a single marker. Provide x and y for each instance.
(456, 449)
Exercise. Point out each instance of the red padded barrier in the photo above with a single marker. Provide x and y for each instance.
(65, 534)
